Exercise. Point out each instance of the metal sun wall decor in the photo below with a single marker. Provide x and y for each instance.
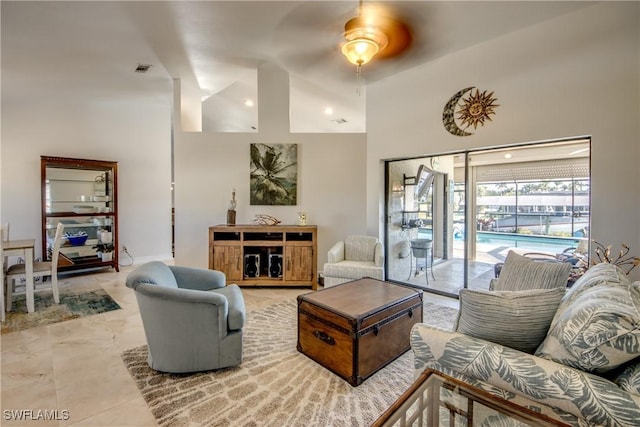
(273, 176)
(472, 111)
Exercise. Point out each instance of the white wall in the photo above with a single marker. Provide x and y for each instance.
(137, 137)
(578, 74)
(331, 177)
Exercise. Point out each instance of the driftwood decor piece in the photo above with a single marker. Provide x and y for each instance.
(264, 219)
(623, 260)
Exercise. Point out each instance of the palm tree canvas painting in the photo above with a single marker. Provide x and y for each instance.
(273, 174)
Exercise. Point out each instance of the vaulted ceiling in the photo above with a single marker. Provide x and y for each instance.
(87, 51)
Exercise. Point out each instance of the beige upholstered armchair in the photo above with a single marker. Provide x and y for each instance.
(354, 258)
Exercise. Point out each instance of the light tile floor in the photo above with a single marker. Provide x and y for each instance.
(75, 366)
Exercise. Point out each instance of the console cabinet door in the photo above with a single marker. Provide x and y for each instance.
(299, 263)
(228, 260)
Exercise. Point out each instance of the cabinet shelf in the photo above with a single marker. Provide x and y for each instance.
(74, 214)
(256, 255)
(65, 182)
(77, 225)
(70, 180)
(261, 243)
(80, 201)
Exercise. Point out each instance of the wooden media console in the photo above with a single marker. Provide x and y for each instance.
(259, 255)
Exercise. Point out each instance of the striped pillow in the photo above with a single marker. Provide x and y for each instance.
(520, 273)
(516, 319)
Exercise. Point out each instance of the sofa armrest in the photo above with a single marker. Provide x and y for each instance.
(336, 253)
(583, 395)
(378, 256)
(236, 310)
(199, 279)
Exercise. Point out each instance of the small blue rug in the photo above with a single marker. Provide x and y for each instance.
(72, 306)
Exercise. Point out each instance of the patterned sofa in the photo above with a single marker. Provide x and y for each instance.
(585, 372)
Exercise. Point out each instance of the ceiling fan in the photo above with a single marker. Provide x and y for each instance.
(374, 32)
(309, 37)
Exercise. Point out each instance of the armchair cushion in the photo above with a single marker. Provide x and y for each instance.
(360, 248)
(198, 278)
(353, 270)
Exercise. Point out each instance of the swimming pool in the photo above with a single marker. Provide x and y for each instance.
(488, 240)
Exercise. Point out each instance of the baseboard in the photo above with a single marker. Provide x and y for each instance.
(124, 259)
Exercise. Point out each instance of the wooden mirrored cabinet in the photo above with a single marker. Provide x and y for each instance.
(83, 195)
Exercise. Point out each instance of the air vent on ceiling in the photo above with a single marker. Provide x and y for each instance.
(142, 68)
(339, 121)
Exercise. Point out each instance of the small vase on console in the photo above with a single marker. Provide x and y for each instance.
(231, 211)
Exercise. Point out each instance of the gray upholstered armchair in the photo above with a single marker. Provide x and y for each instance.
(354, 258)
(192, 321)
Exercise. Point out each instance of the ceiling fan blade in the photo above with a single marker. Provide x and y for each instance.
(386, 19)
(399, 36)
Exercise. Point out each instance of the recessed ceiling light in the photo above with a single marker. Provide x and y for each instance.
(142, 68)
(248, 102)
(507, 156)
(328, 111)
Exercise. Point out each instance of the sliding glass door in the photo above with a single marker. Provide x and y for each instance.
(451, 219)
(425, 227)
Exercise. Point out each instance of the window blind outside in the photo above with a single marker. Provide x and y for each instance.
(529, 171)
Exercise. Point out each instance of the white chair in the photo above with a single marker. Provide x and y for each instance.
(354, 258)
(46, 268)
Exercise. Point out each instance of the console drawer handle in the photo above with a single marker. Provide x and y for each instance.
(324, 337)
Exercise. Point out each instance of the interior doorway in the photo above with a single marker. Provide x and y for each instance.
(452, 218)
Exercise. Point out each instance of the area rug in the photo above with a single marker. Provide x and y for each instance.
(73, 304)
(275, 385)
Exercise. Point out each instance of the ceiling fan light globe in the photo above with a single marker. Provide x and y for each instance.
(360, 51)
(372, 34)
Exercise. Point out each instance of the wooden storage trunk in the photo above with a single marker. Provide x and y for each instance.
(357, 328)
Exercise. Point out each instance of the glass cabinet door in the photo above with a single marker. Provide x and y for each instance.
(82, 195)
